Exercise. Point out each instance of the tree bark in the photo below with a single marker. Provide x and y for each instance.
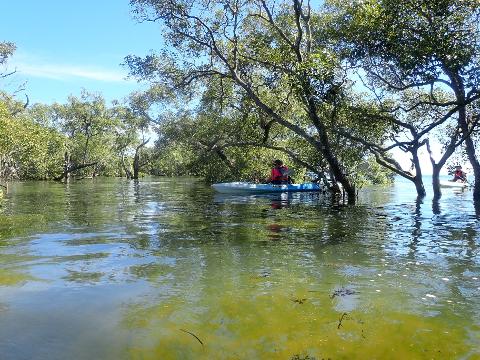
(470, 149)
(71, 168)
(459, 89)
(128, 173)
(136, 160)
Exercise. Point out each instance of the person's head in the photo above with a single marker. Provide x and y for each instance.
(278, 163)
(458, 167)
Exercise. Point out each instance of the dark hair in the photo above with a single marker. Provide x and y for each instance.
(278, 162)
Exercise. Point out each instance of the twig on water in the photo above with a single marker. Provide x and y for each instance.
(195, 336)
(341, 319)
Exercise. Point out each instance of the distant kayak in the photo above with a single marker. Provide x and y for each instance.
(453, 184)
(235, 187)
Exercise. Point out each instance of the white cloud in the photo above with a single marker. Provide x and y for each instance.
(68, 72)
(47, 67)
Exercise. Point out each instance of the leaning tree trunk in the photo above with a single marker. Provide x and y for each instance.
(324, 147)
(437, 167)
(68, 168)
(418, 178)
(418, 182)
(227, 162)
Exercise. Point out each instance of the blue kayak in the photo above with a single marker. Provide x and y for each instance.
(246, 187)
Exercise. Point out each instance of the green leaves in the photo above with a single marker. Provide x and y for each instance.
(416, 36)
(6, 50)
(28, 150)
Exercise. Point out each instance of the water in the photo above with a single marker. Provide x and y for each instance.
(166, 269)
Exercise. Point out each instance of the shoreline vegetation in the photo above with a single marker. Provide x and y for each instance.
(332, 90)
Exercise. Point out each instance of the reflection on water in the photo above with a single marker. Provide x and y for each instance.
(166, 269)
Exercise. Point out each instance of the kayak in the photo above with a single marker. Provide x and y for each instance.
(235, 187)
(453, 184)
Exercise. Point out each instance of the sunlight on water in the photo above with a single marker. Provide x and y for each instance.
(166, 269)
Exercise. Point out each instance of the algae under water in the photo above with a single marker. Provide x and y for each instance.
(166, 269)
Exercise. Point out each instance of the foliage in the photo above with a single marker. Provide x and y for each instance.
(27, 149)
(131, 134)
(6, 50)
(412, 40)
(223, 140)
(88, 126)
(419, 59)
(264, 53)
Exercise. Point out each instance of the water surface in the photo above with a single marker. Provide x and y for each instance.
(166, 269)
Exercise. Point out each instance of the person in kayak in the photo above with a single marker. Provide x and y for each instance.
(459, 175)
(279, 173)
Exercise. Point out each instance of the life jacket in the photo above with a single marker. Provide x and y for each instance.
(459, 174)
(280, 174)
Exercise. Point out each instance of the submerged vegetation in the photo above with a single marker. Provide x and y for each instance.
(332, 89)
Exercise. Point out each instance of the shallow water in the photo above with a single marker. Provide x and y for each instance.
(166, 269)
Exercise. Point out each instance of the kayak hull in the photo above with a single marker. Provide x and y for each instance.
(453, 184)
(246, 187)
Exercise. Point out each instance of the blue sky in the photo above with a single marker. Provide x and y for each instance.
(64, 46)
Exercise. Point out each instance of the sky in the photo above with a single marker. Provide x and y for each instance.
(66, 46)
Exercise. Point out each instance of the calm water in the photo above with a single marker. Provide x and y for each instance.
(166, 269)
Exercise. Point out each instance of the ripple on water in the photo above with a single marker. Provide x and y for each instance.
(123, 266)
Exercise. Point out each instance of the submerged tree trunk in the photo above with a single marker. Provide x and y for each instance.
(66, 172)
(437, 167)
(437, 193)
(136, 160)
(418, 178)
(470, 149)
(459, 89)
(335, 168)
(136, 166)
(325, 148)
(418, 182)
(68, 168)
